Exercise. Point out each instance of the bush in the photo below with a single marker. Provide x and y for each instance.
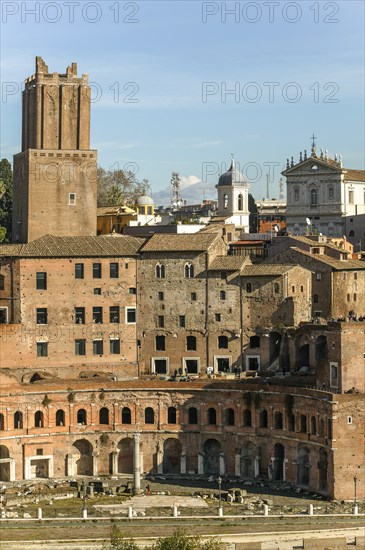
(117, 542)
(179, 540)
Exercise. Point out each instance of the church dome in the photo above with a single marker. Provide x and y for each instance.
(232, 177)
(144, 200)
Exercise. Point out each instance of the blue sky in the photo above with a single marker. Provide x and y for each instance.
(164, 55)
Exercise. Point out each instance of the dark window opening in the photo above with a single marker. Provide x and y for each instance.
(114, 270)
(104, 416)
(149, 416)
(247, 418)
(212, 416)
(114, 346)
(41, 281)
(60, 418)
(222, 342)
(79, 271)
(98, 315)
(41, 315)
(230, 417)
(191, 343)
(114, 314)
(97, 271)
(160, 343)
(171, 415)
(80, 347)
(98, 347)
(263, 419)
(81, 417)
(126, 415)
(42, 349)
(80, 315)
(193, 415)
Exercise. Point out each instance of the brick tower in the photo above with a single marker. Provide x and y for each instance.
(55, 174)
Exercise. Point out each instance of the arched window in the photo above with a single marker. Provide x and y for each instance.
(171, 415)
(104, 415)
(222, 342)
(240, 202)
(149, 415)
(352, 233)
(60, 418)
(212, 415)
(313, 425)
(81, 417)
(248, 288)
(291, 422)
(330, 192)
(18, 420)
(303, 423)
(278, 420)
(38, 419)
(315, 298)
(160, 271)
(247, 418)
(189, 270)
(191, 343)
(263, 419)
(230, 417)
(126, 415)
(314, 197)
(2, 422)
(225, 201)
(222, 295)
(193, 415)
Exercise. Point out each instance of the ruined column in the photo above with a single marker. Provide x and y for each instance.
(115, 462)
(12, 470)
(136, 464)
(95, 456)
(70, 465)
(200, 463)
(257, 466)
(159, 459)
(237, 464)
(183, 463)
(284, 468)
(222, 465)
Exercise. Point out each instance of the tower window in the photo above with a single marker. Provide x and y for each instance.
(240, 202)
(72, 199)
(160, 271)
(189, 270)
(225, 201)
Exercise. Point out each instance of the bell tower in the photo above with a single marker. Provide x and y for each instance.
(55, 174)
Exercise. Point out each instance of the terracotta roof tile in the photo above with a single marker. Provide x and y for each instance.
(196, 242)
(261, 270)
(338, 265)
(228, 263)
(64, 247)
(354, 175)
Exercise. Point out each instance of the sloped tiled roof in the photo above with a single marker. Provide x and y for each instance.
(354, 175)
(114, 210)
(338, 265)
(64, 247)
(261, 270)
(228, 263)
(196, 242)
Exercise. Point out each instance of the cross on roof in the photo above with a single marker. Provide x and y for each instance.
(313, 138)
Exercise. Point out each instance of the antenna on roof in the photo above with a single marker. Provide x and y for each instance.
(176, 200)
(267, 187)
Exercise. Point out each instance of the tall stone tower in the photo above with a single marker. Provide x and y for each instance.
(233, 192)
(55, 174)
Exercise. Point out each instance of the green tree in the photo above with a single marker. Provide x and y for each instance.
(179, 540)
(117, 187)
(6, 199)
(252, 208)
(118, 542)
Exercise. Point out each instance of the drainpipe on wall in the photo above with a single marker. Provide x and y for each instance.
(206, 313)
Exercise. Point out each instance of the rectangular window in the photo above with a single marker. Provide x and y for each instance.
(72, 199)
(41, 280)
(132, 290)
(318, 276)
(160, 366)
(42, 349)
(97, 347)
(182, 321)
(97, 271)
(351, 197)
(79, 271)
(2, 282)
(160, 296)
(114, 346)
(334, 374)
(80, 315)
(41, 315)
(114, 314)
(114, 270)
(130, 315)
(193, 297)
(160, 343)
(97, 315)
(97, 291)
(217, 317)
(161, 321)
(80, 347)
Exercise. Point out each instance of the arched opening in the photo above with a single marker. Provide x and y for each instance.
(321, 427)
(321, 348)
(211, 416)
(276, 288)
(4, 466)
(193, 415)
(104, 415)
(247, 418)
(303, 356)
(303, 423)
(230, 417)
(36, 376)
(171, 415)
(212, 450)
(351, 233)
(18, 420)
(225, 201)
(313, 197)
(291, 422)
(323, 469)
(222, 342)
(255, 342)
(274, 346)
(38, 419)
(248, 288)
(2, 422)
(81, 417)
(263, 419)
(83, 459)
(240, 202)
(313, 425)
(171, 456)
(149, 415)
(247, 460)
(303, 466)
(126, 415)
(279, 455)
(278, 420)
(125, 456)
(160, 271)
(60, 417)
(191, 343)
(189, 270)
